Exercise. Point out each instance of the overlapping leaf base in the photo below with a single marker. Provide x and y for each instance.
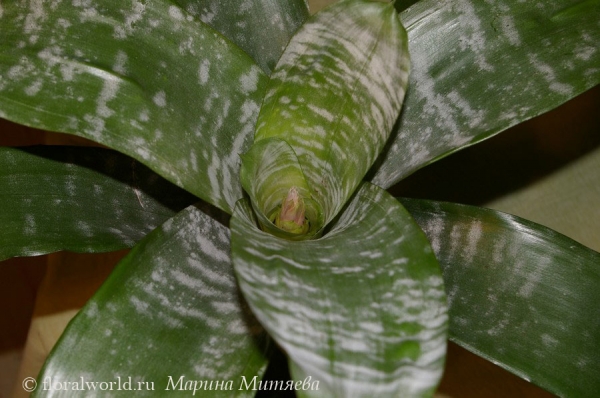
(362, 309)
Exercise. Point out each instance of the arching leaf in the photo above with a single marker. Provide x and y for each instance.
(521, 295)
(480, 67)
(79, 199)
(171, 310)
(143, 77)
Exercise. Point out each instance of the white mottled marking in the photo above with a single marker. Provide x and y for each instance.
(63, 23)
(175, 13)
(140, 306)
(30, 225)
(33, 20)
(109, 92)
(120, 65)
(549, 340)
(85, 228)
(144, 117)
(67, 71)
(249, 81)
(92, 310)
(550, 76)
(96, 124)
(34, 88)
(507, 25)
(203, 71)
(160, 99)
(475, 234)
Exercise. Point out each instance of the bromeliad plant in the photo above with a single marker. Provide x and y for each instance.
(225, 97)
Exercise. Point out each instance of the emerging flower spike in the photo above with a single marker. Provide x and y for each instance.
(291, 217)
(281, 197)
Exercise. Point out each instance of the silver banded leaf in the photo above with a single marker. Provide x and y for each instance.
(520, 294)
(361, 310)
(335, 94)
(480, 67)
(262, 28)
(144, 78)
(170, 310)
(79, 199)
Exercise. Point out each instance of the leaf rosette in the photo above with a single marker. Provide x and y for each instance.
(356, 300)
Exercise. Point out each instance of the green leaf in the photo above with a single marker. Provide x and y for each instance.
(521, 295)
(144, 78)
(171, 308)
(79, 199)
(262, 28)
(361, 310)
(480, 67)
(334, 96)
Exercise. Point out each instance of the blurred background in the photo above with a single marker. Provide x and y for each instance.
(546, 170)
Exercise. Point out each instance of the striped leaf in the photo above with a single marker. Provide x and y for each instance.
(262, 28)
(334, 96)
(79, 199)
(480, 67)
(519, 294)
(143, 77)
(361, 310)
(170, 310)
